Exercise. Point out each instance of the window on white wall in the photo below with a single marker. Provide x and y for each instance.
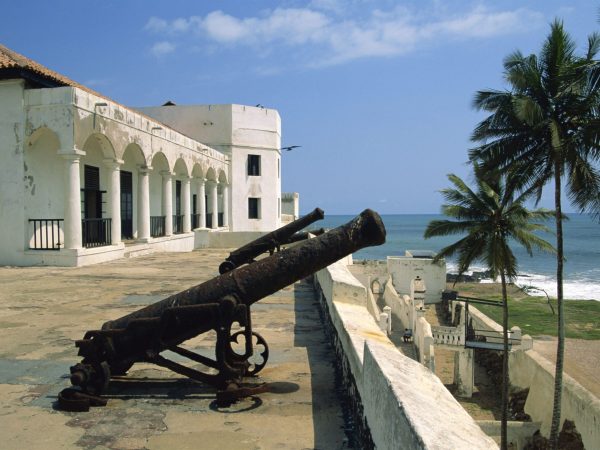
(254, 165)
(253, 208)
(278, 169)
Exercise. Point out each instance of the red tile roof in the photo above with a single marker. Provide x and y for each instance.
(10, 59)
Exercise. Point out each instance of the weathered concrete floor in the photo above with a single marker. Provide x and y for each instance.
(43, 310)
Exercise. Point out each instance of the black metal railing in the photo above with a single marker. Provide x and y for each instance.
(177, 224)
(46, 234)
(220, 219)
(157, 226)
(96, 232)
(195, 221)
(209, 220)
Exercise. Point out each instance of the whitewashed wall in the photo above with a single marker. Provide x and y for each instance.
(38, 126)
(12, 219)
(237, 131)
(531, 370)
(406, 406)
(405, 268)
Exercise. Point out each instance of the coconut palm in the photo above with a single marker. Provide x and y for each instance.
(548, 124)
(488, 218)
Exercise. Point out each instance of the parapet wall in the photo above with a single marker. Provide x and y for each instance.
(405, 316)
(401, 307)
(531, 370)
(403, 404)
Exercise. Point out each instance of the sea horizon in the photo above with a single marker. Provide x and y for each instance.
(581, 247)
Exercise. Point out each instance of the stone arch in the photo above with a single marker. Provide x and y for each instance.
(133, 159)
(134, 153)
(180, 168)
(44, 188)
(100, 142)
(46, 134)
(197, 171)
(98, 150)
(95, 182)
(159, 162)
(222, 177)
(211, 174)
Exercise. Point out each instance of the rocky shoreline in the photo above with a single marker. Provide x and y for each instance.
(475, 277)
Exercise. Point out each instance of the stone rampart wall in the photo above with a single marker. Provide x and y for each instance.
(404, 404)
(528, 369)
(531, 370)
(423, 339)
(401, 307)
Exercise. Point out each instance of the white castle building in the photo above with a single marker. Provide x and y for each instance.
(84, 179)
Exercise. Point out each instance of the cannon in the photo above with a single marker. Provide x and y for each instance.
(270, 242)
(217, 304)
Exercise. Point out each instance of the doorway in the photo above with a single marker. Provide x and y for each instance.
(126, 205)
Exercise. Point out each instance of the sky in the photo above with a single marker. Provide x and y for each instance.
(377, 93)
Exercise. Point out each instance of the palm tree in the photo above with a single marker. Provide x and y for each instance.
(548, 126)
(488, 218)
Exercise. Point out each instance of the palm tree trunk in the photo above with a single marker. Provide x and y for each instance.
(504, 418)
(558, 376)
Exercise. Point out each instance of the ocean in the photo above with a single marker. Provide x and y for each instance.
(581, 247)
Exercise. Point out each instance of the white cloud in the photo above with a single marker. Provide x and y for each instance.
(162, 48)
(334, 39)
(481, 23)
(156, 24)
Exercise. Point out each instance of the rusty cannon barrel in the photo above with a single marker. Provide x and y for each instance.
(213, 305)
(269, 242)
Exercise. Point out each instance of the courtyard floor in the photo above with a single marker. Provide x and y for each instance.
(44, 310)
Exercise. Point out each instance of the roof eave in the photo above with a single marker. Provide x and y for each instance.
(33, 79)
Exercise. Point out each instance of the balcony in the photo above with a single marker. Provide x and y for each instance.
(157, 226)
(46, 234)
(96, 232)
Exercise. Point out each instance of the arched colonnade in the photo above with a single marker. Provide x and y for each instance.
(113, 193)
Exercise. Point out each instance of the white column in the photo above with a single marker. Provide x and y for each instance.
(225, 205)
(201, 203)
(143, 218)
(215, 202)
(72, 201)
(114, 203)
(187, 219)
(167, 201)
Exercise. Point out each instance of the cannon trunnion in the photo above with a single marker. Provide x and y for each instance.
(217, 304)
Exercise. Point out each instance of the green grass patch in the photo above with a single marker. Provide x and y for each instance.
(534, 316)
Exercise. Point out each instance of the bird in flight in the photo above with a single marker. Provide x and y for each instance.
(291, 147)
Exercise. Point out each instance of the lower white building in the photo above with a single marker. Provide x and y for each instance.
(84, 179)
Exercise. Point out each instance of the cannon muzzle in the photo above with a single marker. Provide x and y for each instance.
(269, 242)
